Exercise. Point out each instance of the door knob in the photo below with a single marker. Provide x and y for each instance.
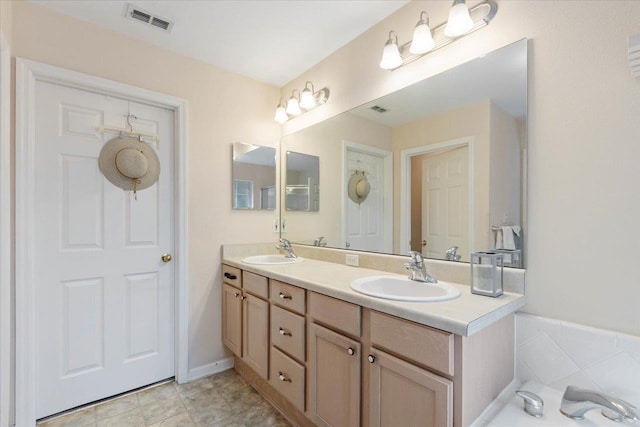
(166, 257)
(424, 243)
(348, 245)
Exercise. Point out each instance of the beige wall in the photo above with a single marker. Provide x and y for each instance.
(470, 120)
(325, 141)
(222, 107)
(583, 152)
(261, 176)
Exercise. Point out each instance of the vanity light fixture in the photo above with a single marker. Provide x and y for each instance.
(459, 22)
(281, 114)
(422, 38)
(293, 105)
(391, 54)
(462, 21)
(303, 102)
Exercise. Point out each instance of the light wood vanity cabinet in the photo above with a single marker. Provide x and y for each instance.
(334, 363)
(245, 317)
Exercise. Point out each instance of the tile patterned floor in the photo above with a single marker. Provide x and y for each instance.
(222, 400)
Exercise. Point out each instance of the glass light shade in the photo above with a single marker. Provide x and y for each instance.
(293, 107)
(390, 56)
(459, 20)
(307, 101)
(422, 39)
(281, 115)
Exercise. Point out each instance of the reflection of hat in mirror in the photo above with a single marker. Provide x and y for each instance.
(358, 187)
(129, 163)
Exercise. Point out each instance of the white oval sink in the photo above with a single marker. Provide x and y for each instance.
(402, 289)
(271, 260)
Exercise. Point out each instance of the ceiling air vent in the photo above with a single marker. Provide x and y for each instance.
(379, 109)
(140, 15)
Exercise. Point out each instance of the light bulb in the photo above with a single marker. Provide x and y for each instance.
(391, 54)
(422, 39)
(307, 101)
(293, 106)
(459, 20)
(281, 115)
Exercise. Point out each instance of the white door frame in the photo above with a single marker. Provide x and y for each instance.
(388, 189)
(27, 74)
(5, 232)
(405, 186)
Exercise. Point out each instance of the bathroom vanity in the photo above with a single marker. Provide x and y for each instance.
(326, 355)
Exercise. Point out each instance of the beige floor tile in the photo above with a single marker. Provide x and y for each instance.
(116, 406)
(204, 399)
(243, 399)
(161, 392)
(206, 416)
(162, 409)
(131, 418)
(228, 381)
(85, 417)
(182, 420)
(194, 387)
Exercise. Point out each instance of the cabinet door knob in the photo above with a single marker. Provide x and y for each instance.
(236, 294)
(284, 296)
(230, 276)
(351, 351)
(371, 358)
(284, 332)
(243, 297)
(283, 378)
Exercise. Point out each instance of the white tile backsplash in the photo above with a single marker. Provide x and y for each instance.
(559, 354)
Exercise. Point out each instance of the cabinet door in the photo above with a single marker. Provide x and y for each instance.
(256, 334)
(334, 378)
(232, 319)
(402, 394)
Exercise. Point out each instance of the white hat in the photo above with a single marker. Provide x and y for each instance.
(129, 163)
(358, 187)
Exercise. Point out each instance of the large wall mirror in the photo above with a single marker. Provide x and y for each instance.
(445, 163)
(254, 177)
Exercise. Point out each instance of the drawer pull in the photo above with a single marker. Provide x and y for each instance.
(351, 351)
(230, 276)
(371, 358)
(283, 378)
(284, 332)
(285, 296)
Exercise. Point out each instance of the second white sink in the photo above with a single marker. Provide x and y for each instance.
(402, 289)
(271, 260)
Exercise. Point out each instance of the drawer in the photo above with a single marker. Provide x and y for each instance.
(338, 314)
(287, 332)
(288, 296)
(287, 376)
(255, 284)
(422, 344)
(231, 275)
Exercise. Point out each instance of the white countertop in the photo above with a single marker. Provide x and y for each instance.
(464, 315)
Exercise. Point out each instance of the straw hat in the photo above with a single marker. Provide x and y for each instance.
(129, 163)
(358, 187)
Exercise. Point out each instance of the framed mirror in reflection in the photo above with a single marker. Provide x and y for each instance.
(445, 161)
(254, 177)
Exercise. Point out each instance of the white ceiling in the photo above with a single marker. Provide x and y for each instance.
(271, 41)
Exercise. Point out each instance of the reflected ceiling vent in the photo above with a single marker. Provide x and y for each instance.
(379, 109)
(144, 16)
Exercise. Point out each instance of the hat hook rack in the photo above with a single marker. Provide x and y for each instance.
(359, 168)
(129, 130)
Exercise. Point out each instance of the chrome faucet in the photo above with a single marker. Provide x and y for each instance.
(576, 402)
(320, 242)
(452, 254)
(285, 246)
(417, 269)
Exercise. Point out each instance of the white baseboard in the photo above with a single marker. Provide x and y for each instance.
(210, 369)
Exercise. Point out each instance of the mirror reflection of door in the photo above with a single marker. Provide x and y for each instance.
(440, 202)
(368, 226)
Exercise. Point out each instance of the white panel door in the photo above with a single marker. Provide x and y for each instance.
(104, 299)
(445, 203)
(366, 222)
